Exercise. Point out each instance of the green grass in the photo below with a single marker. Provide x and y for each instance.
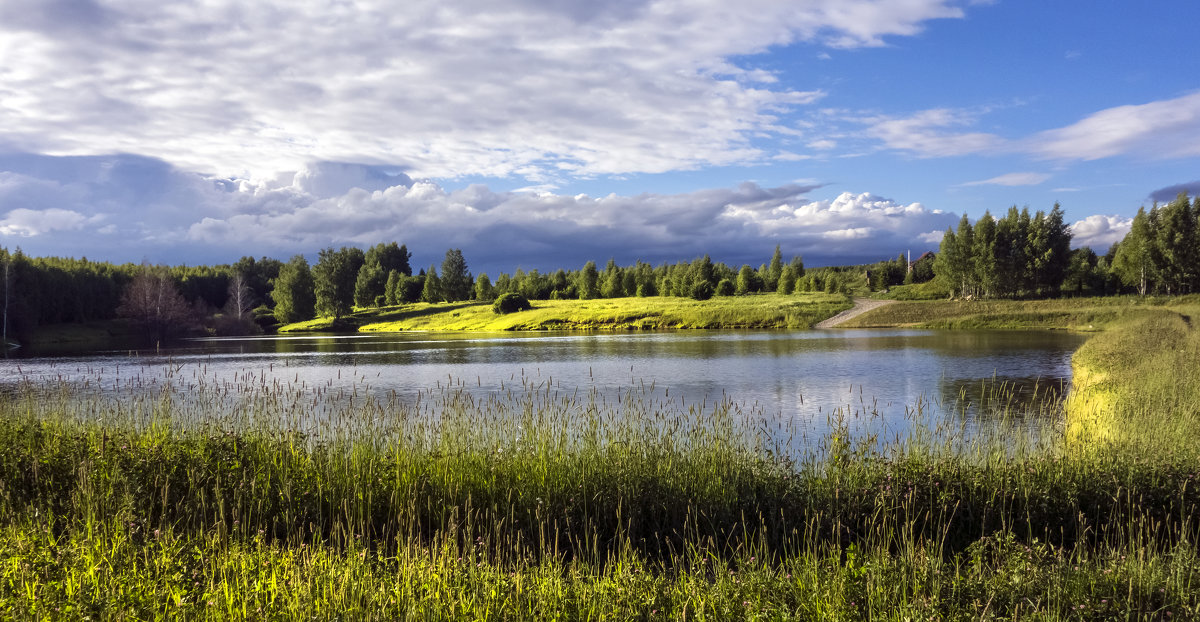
(256, 501)
(1082, 314)
(205, 500)
(656, 312)
(929, 290)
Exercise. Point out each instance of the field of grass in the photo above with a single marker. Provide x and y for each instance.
(1082, 314)
(206, 500)
(655, 312)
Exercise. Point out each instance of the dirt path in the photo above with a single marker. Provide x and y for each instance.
(861, 306)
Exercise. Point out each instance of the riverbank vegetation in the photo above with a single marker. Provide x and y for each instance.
(201, 499)
(1081, 314)
(762, 311)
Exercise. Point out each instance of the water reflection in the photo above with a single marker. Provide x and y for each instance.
(878, 377)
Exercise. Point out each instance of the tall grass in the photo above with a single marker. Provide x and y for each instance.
(204, 499)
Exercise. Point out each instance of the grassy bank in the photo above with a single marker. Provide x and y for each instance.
(655, 312)
(1127, 376)
(1083, 314)
(296, 503)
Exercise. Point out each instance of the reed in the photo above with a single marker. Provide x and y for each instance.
(203, 498)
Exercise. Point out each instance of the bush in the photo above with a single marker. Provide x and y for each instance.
(725, 288)
(702, 290)
(511, 303)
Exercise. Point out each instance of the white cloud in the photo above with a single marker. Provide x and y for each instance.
(853, 233)
(161, 214)
(1010, 179)
(933, 238)
(534, 88)
(1099, 231)
(27, 222)
(926, 134)
(548, 229)
(1161, 129)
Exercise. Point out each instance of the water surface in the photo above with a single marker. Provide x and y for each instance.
(795, 376)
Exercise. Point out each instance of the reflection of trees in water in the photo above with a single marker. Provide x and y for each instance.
(995, 400)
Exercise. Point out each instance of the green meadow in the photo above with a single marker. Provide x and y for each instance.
(168, 503)
(1080, 314)
(654, 312)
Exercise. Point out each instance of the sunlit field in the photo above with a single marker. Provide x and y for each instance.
(653, 312)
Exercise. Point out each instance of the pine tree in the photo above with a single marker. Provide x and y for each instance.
(455, 280)
(774, 270)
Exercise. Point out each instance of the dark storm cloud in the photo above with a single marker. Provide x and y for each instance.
(1164, 195)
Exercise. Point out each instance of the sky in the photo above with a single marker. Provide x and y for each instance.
(545, 133)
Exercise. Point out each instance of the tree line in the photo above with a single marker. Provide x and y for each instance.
(1020, 255)
(1017, 255)
(345, 278)
(1161, 252)
(251, 294)
(38, 291)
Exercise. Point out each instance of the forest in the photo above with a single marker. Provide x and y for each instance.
(1019, 255)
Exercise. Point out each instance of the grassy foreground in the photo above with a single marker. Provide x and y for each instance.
(205, 500)
(654, 312)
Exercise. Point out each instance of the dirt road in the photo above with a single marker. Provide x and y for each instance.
(861, 306)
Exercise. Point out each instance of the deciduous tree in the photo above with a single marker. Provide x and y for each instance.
(153, 303)
(334, 278)
(293, 294)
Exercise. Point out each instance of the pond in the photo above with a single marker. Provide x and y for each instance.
(802, 378)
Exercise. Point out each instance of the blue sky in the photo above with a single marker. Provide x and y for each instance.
(542, 133)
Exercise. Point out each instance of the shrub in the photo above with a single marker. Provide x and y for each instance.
(511, 303)
(725, 288)
(702, 290)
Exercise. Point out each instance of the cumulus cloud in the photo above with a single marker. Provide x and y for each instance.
(1099, 232)
(1010, 179)
(79, 206)
(1162, 129)
(27, 222)
(535, 88)
(548, 230)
